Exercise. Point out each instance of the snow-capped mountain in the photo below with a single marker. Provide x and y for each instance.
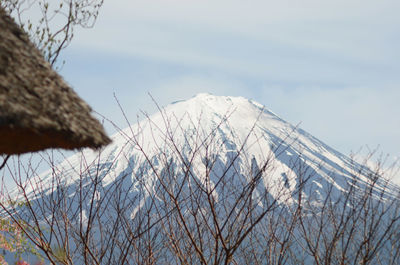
(216, 126)
(209, 180)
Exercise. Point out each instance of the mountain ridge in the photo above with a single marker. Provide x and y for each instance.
(236, 120)
(206, 181)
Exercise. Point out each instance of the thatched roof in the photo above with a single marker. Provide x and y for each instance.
(38, 110)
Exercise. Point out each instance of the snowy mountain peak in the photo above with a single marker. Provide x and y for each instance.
(217, 104)
(210, 110)
(207, 126)
(223, 125)
(215, 168)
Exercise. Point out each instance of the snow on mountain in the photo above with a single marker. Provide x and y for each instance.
(208, 179)
(218, 125)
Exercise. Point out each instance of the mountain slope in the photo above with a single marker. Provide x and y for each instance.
(229, 124)
(210, 180)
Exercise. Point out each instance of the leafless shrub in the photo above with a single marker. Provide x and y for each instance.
(192, 202)
(53, 28)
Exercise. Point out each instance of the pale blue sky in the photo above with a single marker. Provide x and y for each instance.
(334, 66)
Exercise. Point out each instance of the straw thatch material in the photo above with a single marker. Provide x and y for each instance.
(38, 110)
